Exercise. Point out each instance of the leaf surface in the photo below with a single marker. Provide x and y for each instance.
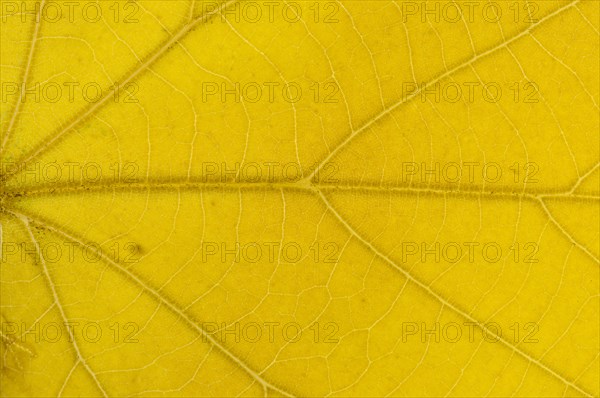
(231, 244)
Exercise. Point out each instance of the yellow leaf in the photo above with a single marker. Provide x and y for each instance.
(315, 198)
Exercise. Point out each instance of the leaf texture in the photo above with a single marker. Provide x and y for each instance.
(343, 225)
